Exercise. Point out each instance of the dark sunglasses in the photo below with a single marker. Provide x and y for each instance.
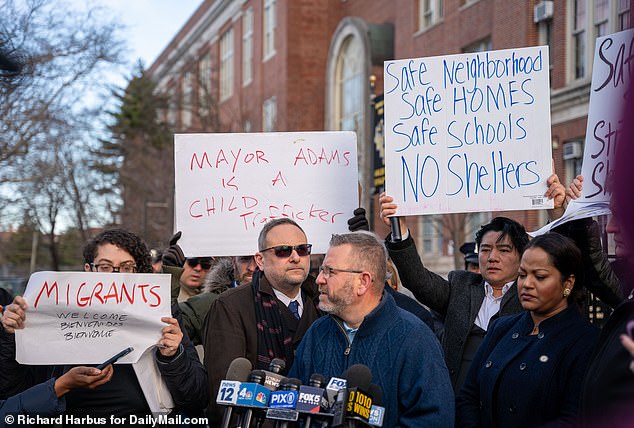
(286, 250)
(204, 262)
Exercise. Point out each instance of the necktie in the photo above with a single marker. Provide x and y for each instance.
(294, 308)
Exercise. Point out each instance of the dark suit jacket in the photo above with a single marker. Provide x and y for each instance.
(457, 299)
(518, 380)
(230, 330)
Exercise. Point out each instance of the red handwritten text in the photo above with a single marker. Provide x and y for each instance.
(99, 294)
(310, 157)
(203, 161)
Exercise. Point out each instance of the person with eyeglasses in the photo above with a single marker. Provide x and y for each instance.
(281, 296)
(365, 326)
(172, 369)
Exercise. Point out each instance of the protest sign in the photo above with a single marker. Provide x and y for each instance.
(611, 80)
(87, 317)
(468, 132)
(229, 185)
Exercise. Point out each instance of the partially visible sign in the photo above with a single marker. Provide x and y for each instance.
(611, 84)
(86, 317)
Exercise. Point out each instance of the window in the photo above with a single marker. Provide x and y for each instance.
(479, 46)
(623, 15)
(591, 19)
(171, 107)
(204, 85)
(429, 13)
(573, 157)
(601, 14)
(269, 29)
(269, 114)
(186, 100)
(226, 65)
(247, 47)
(349, 81)
(579, 38)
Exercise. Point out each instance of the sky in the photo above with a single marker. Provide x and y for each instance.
(150, 24)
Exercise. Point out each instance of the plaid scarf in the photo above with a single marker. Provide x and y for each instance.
(274, 339)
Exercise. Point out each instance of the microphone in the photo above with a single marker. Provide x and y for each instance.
(275, 374)
(253, 394)
(283, 402)
(334, 386)
(396, 229)
(237, 373)
(311, 397)
(353, 404)
(377, 413)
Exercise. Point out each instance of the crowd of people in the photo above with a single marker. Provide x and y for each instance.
(515, 348)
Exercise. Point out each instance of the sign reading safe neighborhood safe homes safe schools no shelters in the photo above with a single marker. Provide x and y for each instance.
(468, 132)
(229, 185)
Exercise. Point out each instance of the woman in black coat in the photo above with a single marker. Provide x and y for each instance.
(529, 369)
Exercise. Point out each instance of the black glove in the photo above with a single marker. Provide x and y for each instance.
(359, 221)
(173, 256)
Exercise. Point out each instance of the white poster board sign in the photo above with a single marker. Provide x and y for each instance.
(468, 132)
(229, 185)
(611, 78)
(87, 317)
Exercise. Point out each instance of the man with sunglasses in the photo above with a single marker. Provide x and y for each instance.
(367, 327)
(268, 317)
(195, 270)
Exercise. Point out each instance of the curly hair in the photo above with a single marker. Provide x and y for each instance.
(125, 240)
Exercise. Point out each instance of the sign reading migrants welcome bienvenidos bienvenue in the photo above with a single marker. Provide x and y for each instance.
(87, 317)
(468, 132)
(229, 185)
(611, 84)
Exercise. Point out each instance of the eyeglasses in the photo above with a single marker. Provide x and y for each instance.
(327, 271)
(286, 250)
(128, 267)
(204, 262)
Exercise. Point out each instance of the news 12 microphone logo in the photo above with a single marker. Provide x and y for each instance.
(283, 399)
(228, 392)
(359, 404)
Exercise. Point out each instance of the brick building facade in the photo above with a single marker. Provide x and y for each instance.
(305, 65)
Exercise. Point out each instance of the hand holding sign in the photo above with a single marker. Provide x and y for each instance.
(14, 315)
(171, 337)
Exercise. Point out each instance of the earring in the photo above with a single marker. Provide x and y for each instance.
(566, 292)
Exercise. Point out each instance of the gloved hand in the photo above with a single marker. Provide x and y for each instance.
(359, 221)
(173, 256)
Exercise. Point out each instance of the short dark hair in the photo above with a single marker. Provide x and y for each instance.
(370, 254)
(564, 255)
(125, 240)
(270, 225)
(515, 231)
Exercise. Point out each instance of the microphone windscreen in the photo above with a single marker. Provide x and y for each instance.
(277, 365)
(290, 384)
(239, 370)
(376, 393)
(317, 380)
(257, 376)
(358, 376)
